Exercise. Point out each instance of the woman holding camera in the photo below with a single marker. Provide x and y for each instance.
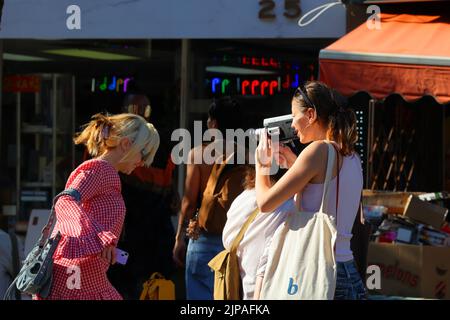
(320, 116)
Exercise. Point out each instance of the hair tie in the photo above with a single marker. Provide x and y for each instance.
(105, 132)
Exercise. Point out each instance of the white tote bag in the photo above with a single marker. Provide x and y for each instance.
(301, 262)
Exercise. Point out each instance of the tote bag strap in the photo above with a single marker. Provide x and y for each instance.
(330, 162)
(244, 228)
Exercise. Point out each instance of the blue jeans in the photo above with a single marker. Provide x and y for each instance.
(199, 276)
(349, 285)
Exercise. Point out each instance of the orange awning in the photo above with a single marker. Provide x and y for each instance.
(410, 55)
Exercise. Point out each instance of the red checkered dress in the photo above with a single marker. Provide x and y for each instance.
(87, 228)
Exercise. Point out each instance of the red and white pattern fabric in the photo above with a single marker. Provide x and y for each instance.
(87, 228)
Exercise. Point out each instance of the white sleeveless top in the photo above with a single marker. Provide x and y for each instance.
(350, 187)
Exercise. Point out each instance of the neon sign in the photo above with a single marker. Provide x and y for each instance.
(260, 62)
(21, 83)
(254, 87)
(110, 84)
(283, 76)
(254, 61)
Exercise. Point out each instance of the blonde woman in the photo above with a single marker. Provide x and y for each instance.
(90, 228)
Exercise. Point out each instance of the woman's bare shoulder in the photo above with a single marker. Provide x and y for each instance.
(316, 150)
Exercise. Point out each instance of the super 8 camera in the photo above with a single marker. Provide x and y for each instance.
(278, 126)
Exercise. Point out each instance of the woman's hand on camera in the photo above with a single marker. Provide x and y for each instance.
(285, 158)
(263, 154)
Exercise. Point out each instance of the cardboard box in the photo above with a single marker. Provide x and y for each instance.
(425, 212)
(394, 201)
(412, 271)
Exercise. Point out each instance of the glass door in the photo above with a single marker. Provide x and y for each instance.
(44, 148)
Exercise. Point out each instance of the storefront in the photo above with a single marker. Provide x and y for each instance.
(88, 55)
(86, 63)
(46, 101)
(261, 77)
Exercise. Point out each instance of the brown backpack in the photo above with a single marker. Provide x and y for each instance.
(225, 183)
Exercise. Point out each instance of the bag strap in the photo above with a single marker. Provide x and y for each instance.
(215, 175)
(15, 260)
(244, 228)
(46, 231)
(337, 190)
(330, 163)
(337, 183)
(214, 178)
(361, 210)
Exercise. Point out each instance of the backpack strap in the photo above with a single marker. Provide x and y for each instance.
(214, 176)
(244, 228)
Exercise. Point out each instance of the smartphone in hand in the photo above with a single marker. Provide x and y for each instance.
(121, 256)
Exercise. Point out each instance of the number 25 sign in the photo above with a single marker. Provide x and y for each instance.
(292, 9)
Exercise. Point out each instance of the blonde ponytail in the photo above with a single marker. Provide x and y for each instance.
(95, 135)
(104, 132)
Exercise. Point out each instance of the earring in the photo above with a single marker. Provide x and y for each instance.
(148, 111)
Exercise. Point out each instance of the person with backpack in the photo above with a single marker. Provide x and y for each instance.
(209, 192)
(323, 119)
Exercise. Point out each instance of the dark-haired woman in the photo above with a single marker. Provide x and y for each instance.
(320, 116)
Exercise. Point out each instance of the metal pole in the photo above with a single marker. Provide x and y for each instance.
(54, 97)
(369, 145)
(1, 90)
(444, 178)
(73, 122)
(18, 157)
(184, 98)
